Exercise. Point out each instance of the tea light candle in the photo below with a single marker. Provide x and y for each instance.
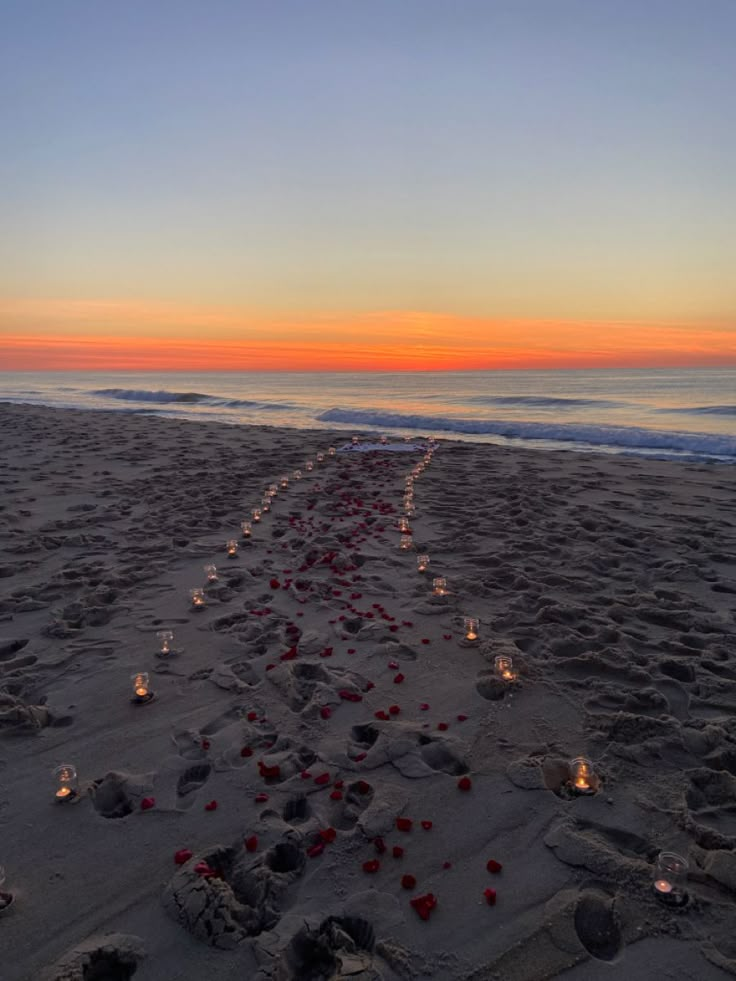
(297, 475)
(211, 572)
(232, 548)
(309, 466)
(265, 504)
(404, 525)
(406, 542)
(198, 598)
(582, 775)
(384, 440)
(332, 451)
(355, 440)
(141, 689)
(409, 509)
(256, 515)
(439, 586)
(246, 528)
(284, 482)
(503, 666)
(670, 877)
(320, 458)
(67, 784)
(273, 490)
(470, 626)
(166, 637)
(422, 563)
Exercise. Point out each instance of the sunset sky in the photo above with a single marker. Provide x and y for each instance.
(379, 184)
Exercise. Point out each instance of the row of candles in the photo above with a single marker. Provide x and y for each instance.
(671, 869)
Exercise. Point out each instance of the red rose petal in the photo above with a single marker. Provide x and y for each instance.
(424, 904)
(408, 881)
(424, 706)
(493, 866)
(398, 678)
(269, 772)
(336, 795)
(425, 640)
(246, 751)
(205, 744)
(490, 895)
(261, 798)
(274, 583)
(404, 824)
(252, 716)
(380, 845)
(442, 726)
(363, 787)
(316, 850)
(427, 825)
(464, 783)
(383, 716)
(462, 718)
(183, 856)
(447, 636)
(371, 866)
(360, 757)
(322, 779)
(394, 709)
(328, 835)
(251, 843)
(393, 665)
(397, 851)
(325, 712)
(350, 696)
(212, 806)
(447, 865)
(147, 803)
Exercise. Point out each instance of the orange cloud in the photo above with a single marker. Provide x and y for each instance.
(138, 336)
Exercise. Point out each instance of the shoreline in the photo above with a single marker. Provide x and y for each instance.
(611, 580)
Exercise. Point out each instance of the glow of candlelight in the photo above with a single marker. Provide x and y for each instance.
(663, 886)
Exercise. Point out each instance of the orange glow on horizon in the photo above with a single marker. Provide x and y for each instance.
(135, 336)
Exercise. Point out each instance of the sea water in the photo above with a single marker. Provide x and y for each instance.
(683, 413)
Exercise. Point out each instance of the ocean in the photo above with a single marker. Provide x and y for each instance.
(672, 413)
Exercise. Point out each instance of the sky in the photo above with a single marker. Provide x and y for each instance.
(377, 184)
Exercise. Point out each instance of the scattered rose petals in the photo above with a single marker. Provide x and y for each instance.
(322, 779)
(490, 895)
(325, 712)
(404, 824)
(408, 881)
(464, 783)
(336, 795)
(424, 904)
(183, 856)
(350, 696)
(427, 825)
(398, 678)
(447, 636)
(493, 866)
(442, 726)
(269, 772)
(212, 806)
(251, 843)
(274, 583)
(397, 851)
(328, 835)
(147, 803)
(371, 866)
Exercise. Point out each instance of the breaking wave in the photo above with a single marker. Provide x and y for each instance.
(189, 398)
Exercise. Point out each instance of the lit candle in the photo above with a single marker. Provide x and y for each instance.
(166, 637)
(670, 878)
(198, 598)
(470, 626)
(141, 690)
(582, 776)
(332, 451)
(245, 527)
(422, 563)
(320, 458)
(265, 504)
(504, 667)
(256, 515)
(439, 586)
(65, 777)
(211, 572)
(404, 525)
(384, 440)
(406, 542)
(273, 490)
(297, 475)
(355, 440)
(309, 466)
(284, 482)
(232, 548)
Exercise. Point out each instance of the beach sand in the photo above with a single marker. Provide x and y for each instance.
(611, 581)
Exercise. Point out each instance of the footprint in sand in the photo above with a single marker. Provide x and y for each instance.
(340, 947)
(596, 925)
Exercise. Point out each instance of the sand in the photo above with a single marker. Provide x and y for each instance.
(261, 764)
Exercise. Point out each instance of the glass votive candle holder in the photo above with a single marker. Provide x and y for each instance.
(211, 572)
(355, 440)
(470, 628)
(409, 510)
(265, 504)
(232, 548)
(384, 440)
(256, 515)
(246, 528)
(141, 688)
(582, 776)
(297, 475)
(409, 480)
(422, 563)
(309, 466)
(503, 667)
(273, 490)
(284, 482)
(332, 451)
(670, 878)
(404, 525)
(198, 598)
(320, 458)
(66, 783)
(406, 542)
(166, 637)
(6, 898)
(439, 586)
